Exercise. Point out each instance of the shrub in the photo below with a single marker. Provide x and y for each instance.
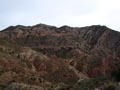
(110, 86)
(2, 70)
(2, 87)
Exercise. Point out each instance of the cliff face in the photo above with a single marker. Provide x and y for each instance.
(74, 52)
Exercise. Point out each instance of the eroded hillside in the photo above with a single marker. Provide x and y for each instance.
(47, 56)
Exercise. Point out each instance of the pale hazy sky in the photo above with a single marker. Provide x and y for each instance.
(76, 13)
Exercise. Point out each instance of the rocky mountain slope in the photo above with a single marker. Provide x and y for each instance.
(48, 56)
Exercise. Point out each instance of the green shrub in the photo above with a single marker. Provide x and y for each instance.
(116, 73)
(110, 86)
(89, 84)
(2, 70)
(2, 87)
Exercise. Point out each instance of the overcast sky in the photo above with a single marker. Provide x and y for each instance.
(76, 13)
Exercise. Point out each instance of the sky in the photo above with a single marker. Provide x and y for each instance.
(75, 13)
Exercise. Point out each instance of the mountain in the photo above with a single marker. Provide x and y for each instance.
(47, 56)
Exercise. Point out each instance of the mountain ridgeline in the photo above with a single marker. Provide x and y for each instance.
(45, 56)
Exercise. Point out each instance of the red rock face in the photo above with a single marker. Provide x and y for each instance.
(94, 50)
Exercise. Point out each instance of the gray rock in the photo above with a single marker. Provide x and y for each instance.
(20, 86)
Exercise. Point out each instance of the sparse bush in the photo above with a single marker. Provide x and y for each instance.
(116, 73)
(2, 87)
(2, 70)
(110, 86)
(89, 84)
